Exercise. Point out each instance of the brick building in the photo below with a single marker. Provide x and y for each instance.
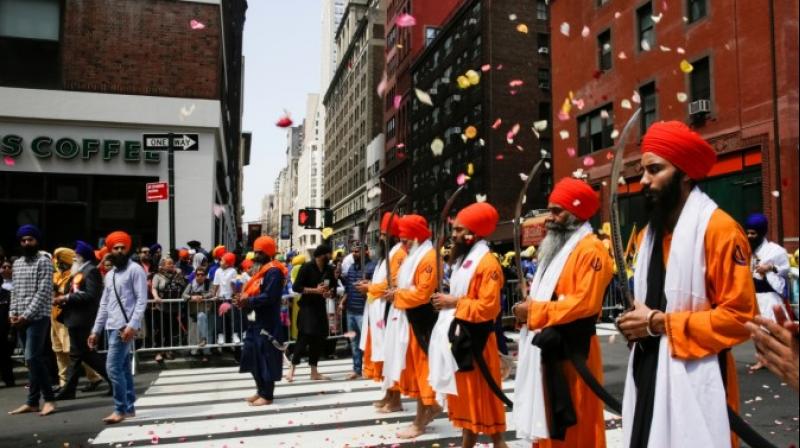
(741, 92)
(403, 46)
(513, 92)
(81, 87)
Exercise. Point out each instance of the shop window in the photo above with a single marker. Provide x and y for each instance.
(647, 93)
(29, 43)
(604, 53)
(646, 27)
(594, 131)
(696, 10)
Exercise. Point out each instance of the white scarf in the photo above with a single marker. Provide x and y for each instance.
(530, 415)
(395, 342)
(442, 364)
(689, 407)
(372, 322)
(770, 253)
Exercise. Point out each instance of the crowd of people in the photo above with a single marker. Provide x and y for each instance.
(423, 323)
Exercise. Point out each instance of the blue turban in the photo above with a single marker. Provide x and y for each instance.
(155, 248)
(85, 250)
(29, 230)
(757, 222)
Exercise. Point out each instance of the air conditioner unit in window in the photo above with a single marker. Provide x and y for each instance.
(700, 107)
(544, 50)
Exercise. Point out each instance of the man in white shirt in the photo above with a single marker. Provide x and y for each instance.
(223, 289)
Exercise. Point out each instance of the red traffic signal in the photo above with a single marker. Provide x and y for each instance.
(307, 218)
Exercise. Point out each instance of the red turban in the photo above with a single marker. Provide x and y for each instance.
(100, 253)
(575, 196)
(480, 218)
(266, 245)
(183, 254)
(414, 227)
(681, 146)
(229, 258)
(218, 252)
(395, 230)
(118, 237)
(247, 264)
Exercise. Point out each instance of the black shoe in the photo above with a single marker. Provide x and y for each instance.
(91, 387)
(64, 395)
(56, 390)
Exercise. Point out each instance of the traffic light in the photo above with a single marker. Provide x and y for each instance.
(328, 221)
(307, 218)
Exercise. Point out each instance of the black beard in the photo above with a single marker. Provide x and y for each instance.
(459, 249)
(660, 204)
(119, 260)
(30, 251)
(755, 242)
(260, 259)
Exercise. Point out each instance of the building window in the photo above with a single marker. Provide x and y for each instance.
(700, 80)
(646, 26)
(649, 110)
(544, 111)
(430, 34)
(541, 9)
(390, 128)
(543, 41)
(697, 9)
(29, 43)
(604, 57)
(594, 131)
(544, 79)
(601, 2)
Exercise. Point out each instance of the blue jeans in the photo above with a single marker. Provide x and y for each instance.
(33, 338)
(118, 365)
(354, 324)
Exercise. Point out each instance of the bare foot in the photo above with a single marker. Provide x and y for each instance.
(380, 403)
(319, 377)
(113, 418)
(252, 398)
(260, 402)
(24, 409)
(353, 376)
(431, 412)
(756, 366)
(411, 432)
(48, 408)
(388, 408)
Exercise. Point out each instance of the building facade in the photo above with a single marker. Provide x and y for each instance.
(374, 166)
(74, 113)
(513, 92)
(309, 175)
(353, 113)
(729, 69)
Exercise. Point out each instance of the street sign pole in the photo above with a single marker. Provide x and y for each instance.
(171, 181)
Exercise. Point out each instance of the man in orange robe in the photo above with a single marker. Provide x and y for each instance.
(412, 309)
(692, 301)
(572, 257)
(376, 307)
(475, 409)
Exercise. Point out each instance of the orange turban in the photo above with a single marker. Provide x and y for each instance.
(218, 252)
(575, 196)
(266, 245)
(414, 227)
(480, 218)
(682, 147)
(100, 253)
(247, 264)
(118, 237)
(183, 254)
(395, 230)
(229, 258)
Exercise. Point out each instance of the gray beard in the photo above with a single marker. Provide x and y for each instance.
(557, 237)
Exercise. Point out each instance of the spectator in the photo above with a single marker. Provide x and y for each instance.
(155, 254)
(168, 284)
(6, 345)
(120, 313)
(185, 263)
(197, 247)
(79, 306)
(315, 282)
(145, 261)
(197, 294)
(354, 301)
(216, 256)
(777, 345)
(59, 336)
(230, 321)
(32, 276)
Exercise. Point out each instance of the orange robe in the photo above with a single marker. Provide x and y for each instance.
(414, 378)
(732, 296)
(581, 288)
(370, 368)
(476, 407)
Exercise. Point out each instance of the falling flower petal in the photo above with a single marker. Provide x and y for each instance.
(617, 15)
(481, 142)
(544, 153)
(579, 174)
(664, 48)
(515, 83)
(523, 176)
(473, 77)
(423, 97)
(576, 203)
(564, 134)
(397, 100)
(776, 193)
(579, 103)
(499, 157)
(486, 67)
(540, 125)
(497, 123)
(645, 45)
(382, 85)
(480, 198)
(571, 151)
(563, 116)
(522, 28)
(464, 138)
(462, 179)
(463, 82)
(405, 20)
(614, 134)
(680, 50)
(499, 67)
(547, 165)
(196, 24)
(437, 146)
(609, 155)
(470, 169)
(512, 133)
(686, 67)
(218, 210)
(585, 31)
(636, 98)
(284, 121)
(657, 18)
(564, 29)
(471, 132)
(512, 17)
(621, 180)
(622, 55)
(625, 104)
(604, 114)
(9, 161)
(588, 161)
(682, 97)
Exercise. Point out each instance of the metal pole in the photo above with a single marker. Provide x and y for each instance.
(171, 182)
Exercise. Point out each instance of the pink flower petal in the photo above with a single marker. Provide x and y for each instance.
(196, 24)
(515, 83)
(571, 151)
(382, 85)
(405, 20)
(9, 161)
(397, 100)
(563, 116)
(462, 179)
(588, 161)
(497, 123)
(499, 157)
(486, 67)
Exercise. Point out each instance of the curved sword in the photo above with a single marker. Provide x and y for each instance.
(442, 231)
(522, 284)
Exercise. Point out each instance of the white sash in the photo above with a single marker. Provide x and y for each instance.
(689, 407)
(442, 364)
(373, 314)
(396, 335)
(770, 253)
(530, 415)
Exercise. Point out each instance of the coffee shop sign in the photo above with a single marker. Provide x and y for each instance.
(45, 147)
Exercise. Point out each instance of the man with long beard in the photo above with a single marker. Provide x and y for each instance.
(693, 298)
(260, 299)
(411, 319)
(372, 336)
(564, 300)
(470, 309)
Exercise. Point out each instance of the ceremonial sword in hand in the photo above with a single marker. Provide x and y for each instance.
(522, 284)
(442, 232)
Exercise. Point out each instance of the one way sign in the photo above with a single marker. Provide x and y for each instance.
(161, 142)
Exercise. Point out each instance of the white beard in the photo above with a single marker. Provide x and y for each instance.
(554, 241)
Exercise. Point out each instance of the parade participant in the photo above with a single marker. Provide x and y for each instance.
(120, 314)
(260, 299)
(472, 304)
(410, 323)
(372, 336)
(59, 336)
(564, 300)
(693, 298)
(29, 315)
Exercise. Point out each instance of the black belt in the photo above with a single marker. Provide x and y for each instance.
(422, 319)
(467, 341)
